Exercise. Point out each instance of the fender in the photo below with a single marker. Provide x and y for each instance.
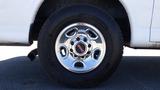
(16, 31)
(15, 19)
(140, 23)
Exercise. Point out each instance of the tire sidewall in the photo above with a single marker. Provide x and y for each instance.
(57, 22)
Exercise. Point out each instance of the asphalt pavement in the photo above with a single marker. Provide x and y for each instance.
(134, 73)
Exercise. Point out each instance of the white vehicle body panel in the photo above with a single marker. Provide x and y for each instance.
(17, 15)
(140, 16)
(15, 19)
(155, 31)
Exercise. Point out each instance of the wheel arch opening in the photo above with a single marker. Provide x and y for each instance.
(113, 7)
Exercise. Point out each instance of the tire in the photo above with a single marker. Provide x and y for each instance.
(55, 25)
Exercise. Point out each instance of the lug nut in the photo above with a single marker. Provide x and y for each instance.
(88, 52)
(72, 43)
(77, 38)
(82, 56)
(75, 56)
(89, 45)
(71, 50)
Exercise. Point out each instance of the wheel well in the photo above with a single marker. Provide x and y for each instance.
(113, 7)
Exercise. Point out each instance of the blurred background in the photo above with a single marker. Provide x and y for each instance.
(7, 52)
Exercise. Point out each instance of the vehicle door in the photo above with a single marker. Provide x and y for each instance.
(155, 25)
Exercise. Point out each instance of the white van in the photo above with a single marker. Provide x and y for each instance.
(80, 42)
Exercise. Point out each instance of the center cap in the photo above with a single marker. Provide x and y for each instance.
(80, 48)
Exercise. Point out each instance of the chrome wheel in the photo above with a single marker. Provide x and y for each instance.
(80, 47)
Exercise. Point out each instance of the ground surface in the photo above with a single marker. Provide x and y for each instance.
(134, 73)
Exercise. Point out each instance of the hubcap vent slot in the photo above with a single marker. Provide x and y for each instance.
(96, 54)
(71, 32)
(92, 34)
(79, 65)
(63, 51)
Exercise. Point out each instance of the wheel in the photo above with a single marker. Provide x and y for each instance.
(80, 46)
